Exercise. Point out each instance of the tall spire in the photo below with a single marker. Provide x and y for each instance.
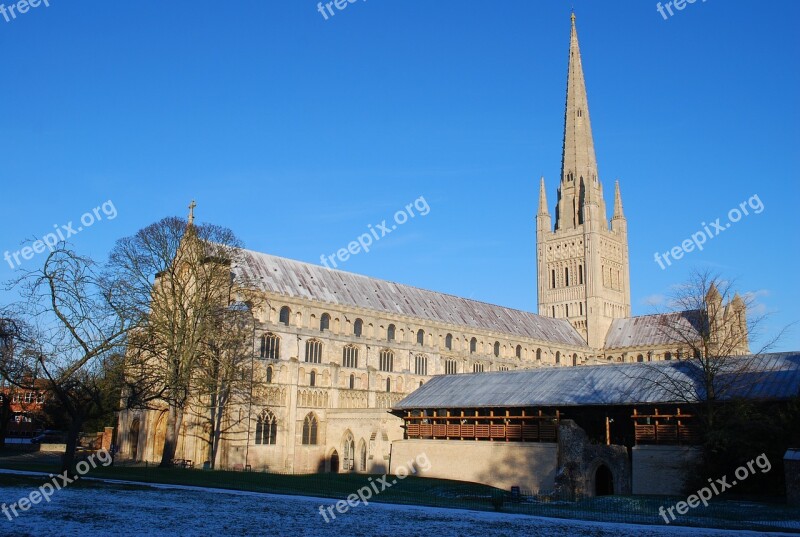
(543, 199)
(579, 181)
(191, 212)
(617, 202)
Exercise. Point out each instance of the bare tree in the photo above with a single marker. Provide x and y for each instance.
(710, 327)
(69, 339)
(224, 377)
(177, 276)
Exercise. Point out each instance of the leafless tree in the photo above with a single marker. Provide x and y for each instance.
(711, 327)
(68, 339)
(177, 275)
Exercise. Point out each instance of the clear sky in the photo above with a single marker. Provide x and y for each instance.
(299, 132)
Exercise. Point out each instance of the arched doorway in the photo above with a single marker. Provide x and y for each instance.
(603, 481)
(160, 436)
(334, 462)
(133, 439)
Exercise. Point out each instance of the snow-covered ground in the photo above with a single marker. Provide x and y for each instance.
(118, 509)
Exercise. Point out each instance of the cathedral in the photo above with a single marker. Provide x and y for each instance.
(336, 351)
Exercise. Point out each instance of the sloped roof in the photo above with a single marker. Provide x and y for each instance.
(770, 376)
(651, 329)
(314, 282)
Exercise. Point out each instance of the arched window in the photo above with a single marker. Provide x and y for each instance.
(497, 349)
(352, 381)
(350, 356)
(362, 456)
(390, 333)
(640, 358)
(450, 367)
(312, 378)
(553, 278)
(310, 430)
(558, 357)
(388, 385)
(420, 364)
(566, 276)
(580, 274)
(448, 342)
(473, 345)
(270, 346)
(324, 322)
(284, 315)
(477, 367)
(358, 327)
(667, 356)
(269, 375)
(539, 355)
(420, 337)
(266, 428)
(314, 351)
(386, 360)
(574, 359)
(349, 453)
(518, 351)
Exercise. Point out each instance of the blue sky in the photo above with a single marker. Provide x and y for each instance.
(298, 132)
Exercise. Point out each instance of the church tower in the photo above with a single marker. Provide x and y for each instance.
(583, 267)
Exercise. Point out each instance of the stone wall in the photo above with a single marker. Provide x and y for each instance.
(529, 465)
(579, 462)
(663, 470)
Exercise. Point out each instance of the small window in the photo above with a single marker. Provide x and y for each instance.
(502, 368)
(477, 367)
(386, 360)
(269, 375)
(358, 327)
(668, 356)
(270, 346)
(558, 357)
(350, 356)
(574, 359)
(284, 315)
(450, 367)
(448, 342)
(324, 322)
(473, 346)
(388, 385)
(312, 378)
(640, 358)
(310, 430)
(421, 365)
(390, 332)
(538, 355)
(314, 351)
(580, 274)
(553, 279)
(518, 352)
(497, 349)
(420, 337)
(352, 382)
(566, 276)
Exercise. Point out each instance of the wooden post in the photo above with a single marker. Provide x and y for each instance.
(608, 431)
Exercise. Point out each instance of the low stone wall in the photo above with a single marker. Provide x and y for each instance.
(59, 448)
(530, 465)
(663, 470)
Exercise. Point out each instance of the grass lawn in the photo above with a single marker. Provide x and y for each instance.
(726, 514)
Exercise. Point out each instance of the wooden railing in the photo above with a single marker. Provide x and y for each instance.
(497, 428)
(668, 429)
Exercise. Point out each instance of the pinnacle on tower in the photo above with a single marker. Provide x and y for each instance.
(617, 202)
(543, 199)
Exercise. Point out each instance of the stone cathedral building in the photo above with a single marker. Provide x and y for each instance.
(335, 351)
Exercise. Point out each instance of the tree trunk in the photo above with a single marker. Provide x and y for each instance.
(174, 422)
(68, 459)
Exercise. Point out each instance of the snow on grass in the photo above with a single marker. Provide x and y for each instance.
(103, 508)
